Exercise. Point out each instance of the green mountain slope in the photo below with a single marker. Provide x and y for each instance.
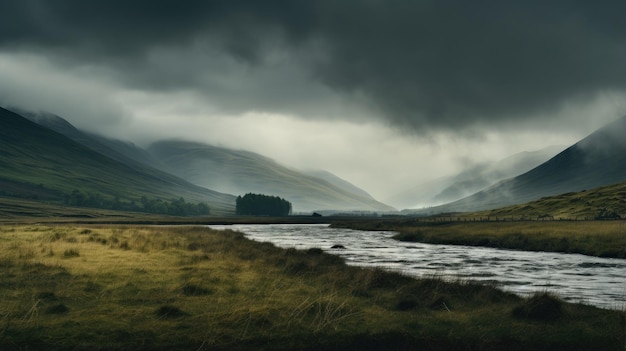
(240, 172)
(36, 162)
(597, 160)
(607, 202)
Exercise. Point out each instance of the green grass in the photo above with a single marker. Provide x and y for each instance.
(583, 205)
(562, 223)
(193, 288)
(594, 238)
(36, 163)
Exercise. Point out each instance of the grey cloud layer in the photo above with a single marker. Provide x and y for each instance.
(442, 64)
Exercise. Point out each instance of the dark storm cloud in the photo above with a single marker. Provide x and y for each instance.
(436, 63)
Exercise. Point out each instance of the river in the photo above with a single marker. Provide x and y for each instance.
(575, 278)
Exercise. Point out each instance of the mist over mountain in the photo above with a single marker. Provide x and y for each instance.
(39, 163)
(451, 188)
(338, 182)
(241, 172)
(597, 160)
(125, 152)
(234, 172)
(482, 176)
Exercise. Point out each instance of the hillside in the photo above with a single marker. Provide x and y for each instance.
(607, 202)
(469, 181)
(241, 172)
(124, 152)
(483, 176)
(595, 161)
(38, 163)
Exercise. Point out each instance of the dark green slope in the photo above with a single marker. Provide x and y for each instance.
(37, 162)
(597, 160)
(240, 172)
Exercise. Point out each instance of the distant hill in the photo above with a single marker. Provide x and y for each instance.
(338, 182)
(472, 180)
(145, 161)
(483, 176)
(595, 161)
(240, 172)
(39, 163)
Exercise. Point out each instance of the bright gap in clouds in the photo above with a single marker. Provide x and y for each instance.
(370, 155)
(365, 151)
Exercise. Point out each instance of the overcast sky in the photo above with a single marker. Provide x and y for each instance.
(386, 94)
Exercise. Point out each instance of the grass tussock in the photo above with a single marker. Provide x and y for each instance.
(193, 288)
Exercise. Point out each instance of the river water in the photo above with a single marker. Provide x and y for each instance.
(575, 278)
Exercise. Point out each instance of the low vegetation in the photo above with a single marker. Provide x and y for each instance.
(193, 288)
(594, 238)
(607, 202)
(174, 207)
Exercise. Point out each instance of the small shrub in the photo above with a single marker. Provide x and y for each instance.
(195, 290)
(193, 247)
(170, 312)
(542, 307)
(47, 295)
(92, 287)
(314, 251)
(71, 253)
(405, 305)
(57, 309)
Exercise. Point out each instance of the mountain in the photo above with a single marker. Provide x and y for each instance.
(240, 172)
(143, 160)
(483, 176)
(421, 195)
(595, 161)
(451, 188)
(338, 182)
(37, 162)
(125, 152)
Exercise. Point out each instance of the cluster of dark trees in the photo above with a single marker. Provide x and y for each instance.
(175, 207)
(262, 205)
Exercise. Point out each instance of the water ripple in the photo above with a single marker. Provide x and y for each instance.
(577, 278)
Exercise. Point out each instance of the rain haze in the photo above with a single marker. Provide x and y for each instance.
(385, 94)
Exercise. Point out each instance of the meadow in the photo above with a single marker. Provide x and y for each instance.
(594, 238)
(112, 287)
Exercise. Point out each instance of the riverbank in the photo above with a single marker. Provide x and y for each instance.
(594, 238)
(157, 288)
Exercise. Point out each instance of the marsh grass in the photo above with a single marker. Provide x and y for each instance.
(147, 288)
(594, 238)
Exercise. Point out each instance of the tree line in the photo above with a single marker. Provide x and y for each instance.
(174, 207)
(262, 205)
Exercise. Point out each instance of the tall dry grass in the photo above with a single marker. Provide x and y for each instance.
(132, 287)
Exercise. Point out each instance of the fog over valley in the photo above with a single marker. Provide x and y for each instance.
(413, 103)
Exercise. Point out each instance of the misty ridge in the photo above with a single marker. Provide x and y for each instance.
(594, 161)
(225, 170)
(597, 160)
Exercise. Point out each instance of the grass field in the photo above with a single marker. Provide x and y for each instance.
(92, 287)
(594, 238)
